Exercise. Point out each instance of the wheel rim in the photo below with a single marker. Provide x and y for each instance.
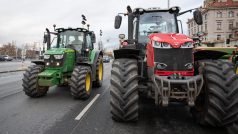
(100, 71)
(88, 82)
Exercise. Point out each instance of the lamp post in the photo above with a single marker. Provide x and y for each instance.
(168, 3)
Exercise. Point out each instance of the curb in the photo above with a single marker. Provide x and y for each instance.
(9, 71)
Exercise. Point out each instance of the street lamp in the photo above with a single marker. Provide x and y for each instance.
(168, 3)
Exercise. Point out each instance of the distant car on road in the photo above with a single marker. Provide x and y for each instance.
(106, 59)
(2, 58)
(7, 58)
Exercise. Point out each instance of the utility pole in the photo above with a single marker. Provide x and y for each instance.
(100, 45)
(168, 3)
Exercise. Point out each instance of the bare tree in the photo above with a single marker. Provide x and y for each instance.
(8, 49)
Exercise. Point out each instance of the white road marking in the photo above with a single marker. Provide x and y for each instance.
(87, 107)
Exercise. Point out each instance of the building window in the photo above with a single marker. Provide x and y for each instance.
(230, 14)
(218, 25)
(201, 27)
(205, 16)
(198, 28)
(206, 27)
(195, 31)
(218, 37)
(219, 14)
(236, 24)
(230, 25)
(230, 36)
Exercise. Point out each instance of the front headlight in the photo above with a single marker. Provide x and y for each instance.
(46, 56)
(161, 45)
(187, 45)
(58, 57)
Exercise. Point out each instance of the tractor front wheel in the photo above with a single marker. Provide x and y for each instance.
(124, 90)
(30, 82)
(210, 105)
(81, 82)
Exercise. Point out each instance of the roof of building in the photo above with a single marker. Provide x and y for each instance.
(216, 4)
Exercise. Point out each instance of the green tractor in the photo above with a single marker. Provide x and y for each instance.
(72, 61)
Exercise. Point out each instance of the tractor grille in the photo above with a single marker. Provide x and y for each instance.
(53, 62)
(175, 59)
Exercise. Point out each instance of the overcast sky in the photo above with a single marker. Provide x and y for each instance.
(24, 21)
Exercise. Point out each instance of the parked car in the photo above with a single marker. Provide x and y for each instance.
(7, 58)
(106, 59)
(2, 58)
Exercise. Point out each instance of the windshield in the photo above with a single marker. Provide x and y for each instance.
(156, 22)
(70, 38)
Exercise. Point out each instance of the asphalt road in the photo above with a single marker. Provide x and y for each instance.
(56, 113)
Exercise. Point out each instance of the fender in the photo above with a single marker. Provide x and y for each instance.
(38, 62)
(208, 54)
(126, 53)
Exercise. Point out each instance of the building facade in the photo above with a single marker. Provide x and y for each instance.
(220, 23)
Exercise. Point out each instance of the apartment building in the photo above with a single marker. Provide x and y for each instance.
(220, 23)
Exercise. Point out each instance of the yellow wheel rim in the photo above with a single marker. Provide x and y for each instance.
(237, 70)
(88, 82)
(100, 71)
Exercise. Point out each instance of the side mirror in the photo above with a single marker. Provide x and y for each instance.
(121, 36)
(93, 37)
(197, 15)
(117, 23)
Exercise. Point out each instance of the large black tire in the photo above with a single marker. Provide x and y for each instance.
(233, 128)
(210, 105)
(124, 90)
(99, 69)
(231, 119)
(78, 83)
(30, 82)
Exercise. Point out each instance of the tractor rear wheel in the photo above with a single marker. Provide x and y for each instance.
(236, 67)
(210, 105)
(81, 82)
(30, 82)
(99, 72)
(124, 90)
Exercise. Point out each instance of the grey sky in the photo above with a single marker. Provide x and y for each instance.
(26, 20)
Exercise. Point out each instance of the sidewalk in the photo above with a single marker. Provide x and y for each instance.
(14, 66)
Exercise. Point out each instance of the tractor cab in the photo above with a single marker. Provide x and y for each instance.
(79, 39)
(144, 22)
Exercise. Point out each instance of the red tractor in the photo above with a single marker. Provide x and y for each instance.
(163, 64)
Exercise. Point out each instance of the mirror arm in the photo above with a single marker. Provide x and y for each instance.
(186, 11)
(125, 14)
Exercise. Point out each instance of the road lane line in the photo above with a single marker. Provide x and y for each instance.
(87, 107)
(10, 94)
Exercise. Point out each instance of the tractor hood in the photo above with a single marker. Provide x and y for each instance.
(174, 39)
(58, 51)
